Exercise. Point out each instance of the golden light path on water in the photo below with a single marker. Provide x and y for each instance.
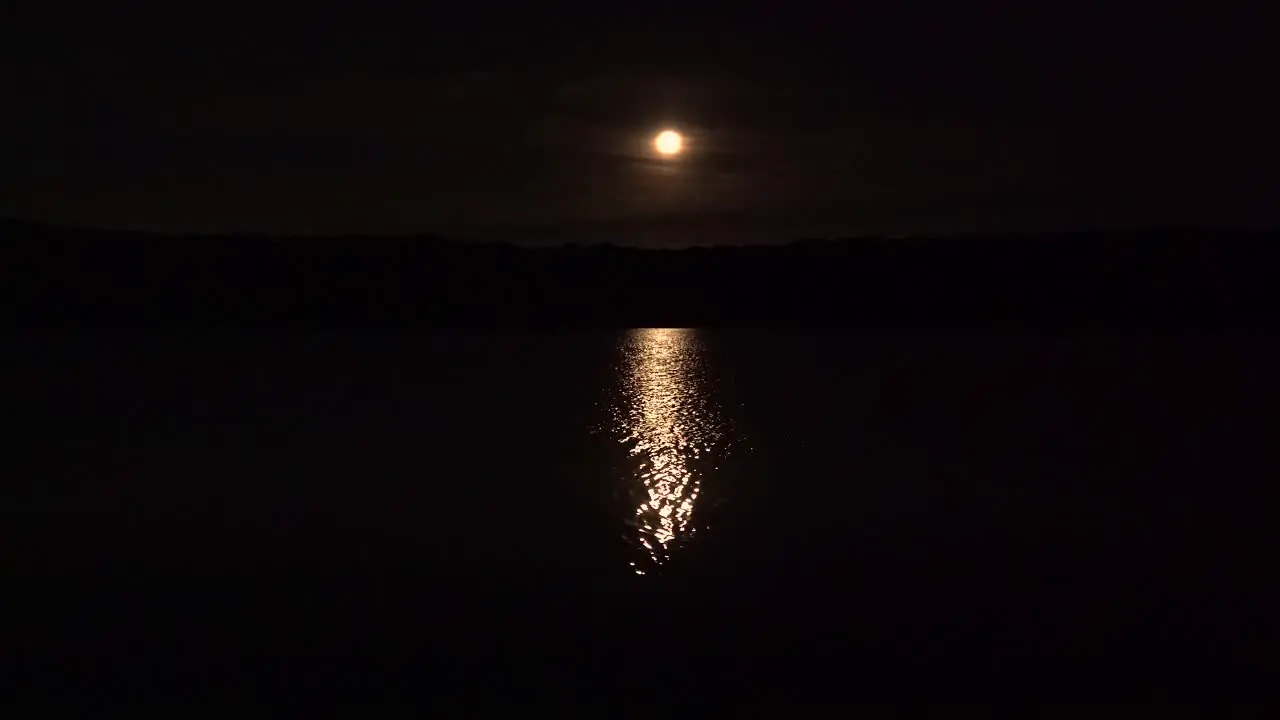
(670, 425)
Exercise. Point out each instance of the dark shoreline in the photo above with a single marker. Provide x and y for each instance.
(1158, 280)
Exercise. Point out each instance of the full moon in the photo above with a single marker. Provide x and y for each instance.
(668, 143)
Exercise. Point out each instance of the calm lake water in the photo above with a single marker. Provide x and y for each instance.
(888, 492)
(519, 449)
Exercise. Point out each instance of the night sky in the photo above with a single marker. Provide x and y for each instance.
(534, 125)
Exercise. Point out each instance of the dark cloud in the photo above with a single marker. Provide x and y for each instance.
(410, 118)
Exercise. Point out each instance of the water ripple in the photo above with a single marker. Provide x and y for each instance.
(673, 432)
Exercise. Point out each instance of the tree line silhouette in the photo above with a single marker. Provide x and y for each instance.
(89, 278)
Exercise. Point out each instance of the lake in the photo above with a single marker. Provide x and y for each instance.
(702, 509)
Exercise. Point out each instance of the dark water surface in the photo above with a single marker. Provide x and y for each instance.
(697, 511)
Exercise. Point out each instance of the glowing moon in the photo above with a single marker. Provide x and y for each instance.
(668, 143)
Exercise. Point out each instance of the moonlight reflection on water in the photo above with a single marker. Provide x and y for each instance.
(672, 429)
